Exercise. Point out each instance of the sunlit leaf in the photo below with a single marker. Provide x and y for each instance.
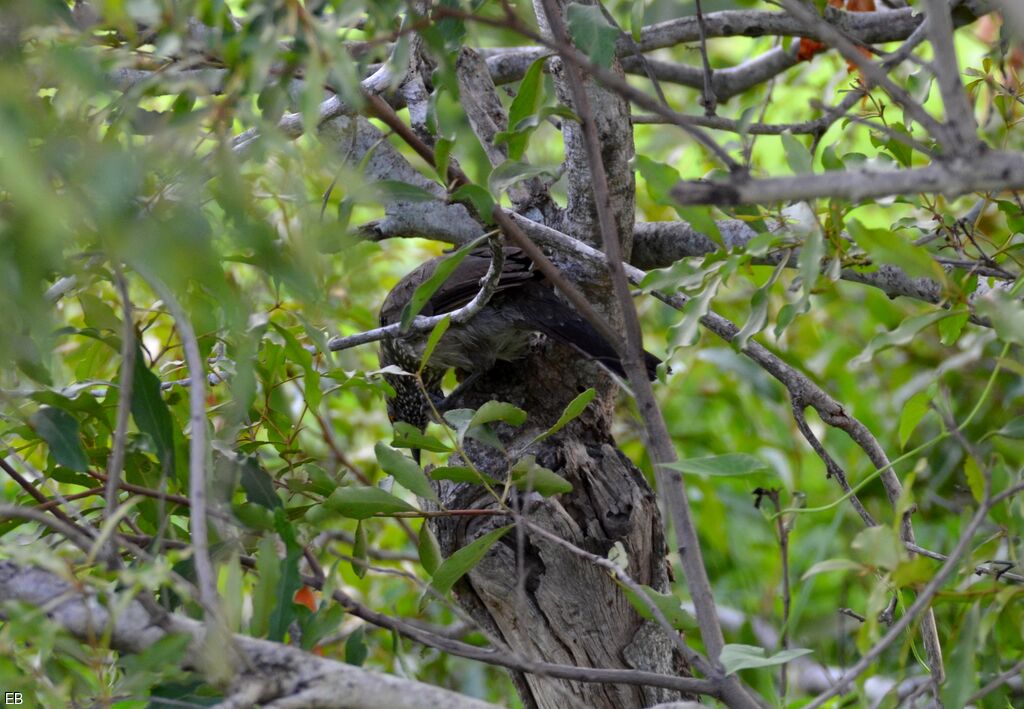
(744, 657)
(365, 502)
(731, 464)
(404, 470)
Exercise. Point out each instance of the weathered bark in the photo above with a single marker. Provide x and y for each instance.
(537, 596)
(540, 598)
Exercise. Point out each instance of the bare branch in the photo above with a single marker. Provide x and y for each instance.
(198, 448)
(115, 463)
(959, 112)
(997, 171)
(270, 671)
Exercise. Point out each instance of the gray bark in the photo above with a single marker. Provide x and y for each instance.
(540, 598)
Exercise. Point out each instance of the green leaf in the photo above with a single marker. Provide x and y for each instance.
(254, 516)
(702, 220)
(498, 411)
(913, 412)
(731, 464)
(887, 247)
(393, 190)
(527, 475)
(799, 158)
(913, 572)
(426, 290)
(462, 421)
(268, 574)
(950, 328)
(975, 478)
(1014, 428)
(151, 413)
(365, 502)
(512, 171)
(461, 474)
(526, 104)
(428, 548)
(902, 335)
(258, 485)
(879, 547)
(744, 657)
(298, 354)
(408, 436)
(687, 332)
(283, 612)
(659, 178)
(758, 309)
(636, 19)
(478, 197)
(962, 677)
(321, 624)
(591, 33)
(833, 565)
(97, 314)
(435, 336)
(576, 407)
(404, 470)
(1006, 314)
(359, 557)
(442, 157)
(669, 605)
(356, 651)
(830, 160)
(462, 561)
(812, 250)
(60, 431)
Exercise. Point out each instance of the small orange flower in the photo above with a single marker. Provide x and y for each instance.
(809, 47)
(304, 596)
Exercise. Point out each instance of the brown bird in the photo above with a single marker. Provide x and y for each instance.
(523, 303)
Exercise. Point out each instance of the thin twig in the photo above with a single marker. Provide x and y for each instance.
(423, 323)
(710, 101)
(198, 453)
(115, 463)
(922, 602)
(997, 682)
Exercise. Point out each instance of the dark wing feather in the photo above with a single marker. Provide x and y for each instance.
(464, 282)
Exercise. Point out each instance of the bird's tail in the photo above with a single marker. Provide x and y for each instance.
(557, 320)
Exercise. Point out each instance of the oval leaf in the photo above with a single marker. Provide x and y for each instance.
(736, 657)
(574, 409)
(364, 502)
(60, 431)
(498, 411)
(721, 465)
(404, 470)
(458, 564)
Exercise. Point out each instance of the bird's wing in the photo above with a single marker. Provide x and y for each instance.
(464, 282)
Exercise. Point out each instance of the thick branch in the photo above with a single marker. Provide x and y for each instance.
(277, 672)
(996, 171)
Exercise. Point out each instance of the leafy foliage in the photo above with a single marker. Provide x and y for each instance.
(120, 155)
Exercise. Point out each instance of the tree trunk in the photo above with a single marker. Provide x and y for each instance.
(540, 598)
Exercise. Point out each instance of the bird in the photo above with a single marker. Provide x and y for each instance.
(523, 303)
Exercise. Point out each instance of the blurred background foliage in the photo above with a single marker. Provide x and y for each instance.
(116, 148)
